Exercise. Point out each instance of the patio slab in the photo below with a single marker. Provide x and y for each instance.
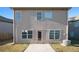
(39, 48)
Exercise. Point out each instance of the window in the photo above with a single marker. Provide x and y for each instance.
(17, 16)
(47, 15)
(54, 34)
(51, 34)
(39, 16)
(57, 34)
(27, 34)
(24, 35)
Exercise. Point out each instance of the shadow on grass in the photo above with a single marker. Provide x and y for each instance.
(76, 45)
(3, 42)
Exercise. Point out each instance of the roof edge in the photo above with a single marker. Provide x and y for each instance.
(38, 8)
(4, 19)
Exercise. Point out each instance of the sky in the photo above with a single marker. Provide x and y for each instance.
(74, 11)
(8, 12)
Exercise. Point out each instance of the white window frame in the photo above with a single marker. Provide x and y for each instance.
(27, 34)
(46, 12)
(43, 15)
(54, 34)
(16, 15)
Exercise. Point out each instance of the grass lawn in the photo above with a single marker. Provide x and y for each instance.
(13, 47)
(59, 48)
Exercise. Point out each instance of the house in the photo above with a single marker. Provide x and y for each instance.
(40, 24)
(6, 28)
(74, 29)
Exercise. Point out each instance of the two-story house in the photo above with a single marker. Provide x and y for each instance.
(39, 24)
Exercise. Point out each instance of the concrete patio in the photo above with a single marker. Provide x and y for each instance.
(39, 48)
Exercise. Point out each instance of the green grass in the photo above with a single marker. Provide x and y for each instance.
(13, 47)
(71, 48)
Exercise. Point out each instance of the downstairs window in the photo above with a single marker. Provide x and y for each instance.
(27, 34)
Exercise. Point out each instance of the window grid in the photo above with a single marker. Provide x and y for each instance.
(54, 34)
(24, 35)
(39, 15)
(44, 15)
(18, 16)
(51, 34)
(57, 32)
(28, 35)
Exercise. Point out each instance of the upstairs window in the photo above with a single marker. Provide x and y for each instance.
(46, 15)
(39, 16)
(17, 16)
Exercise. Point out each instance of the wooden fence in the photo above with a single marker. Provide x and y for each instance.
(5, 36)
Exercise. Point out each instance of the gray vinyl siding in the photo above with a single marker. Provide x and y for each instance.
(29, 21)
(6, 31)
(6, 27)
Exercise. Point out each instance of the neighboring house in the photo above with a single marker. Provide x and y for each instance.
(6, 28)
(74, 29)
(40, 24)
